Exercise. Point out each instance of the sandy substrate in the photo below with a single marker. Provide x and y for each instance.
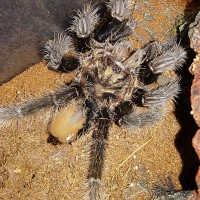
(32, 169)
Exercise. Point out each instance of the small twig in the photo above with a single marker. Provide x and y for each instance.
(134, 153)
(128, 159)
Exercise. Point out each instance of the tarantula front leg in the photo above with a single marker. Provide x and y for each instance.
(116, 23)
(97, 154)
(161, 57)
(60, 53)
(156, 58)
(126, 30)
(172, 59)
(83, 26)
(57, 99)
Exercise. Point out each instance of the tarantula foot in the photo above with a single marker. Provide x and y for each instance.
(94, 189)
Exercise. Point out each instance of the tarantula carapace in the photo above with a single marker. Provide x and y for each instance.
(113, 82)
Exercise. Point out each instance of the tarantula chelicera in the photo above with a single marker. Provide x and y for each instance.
(113, 83)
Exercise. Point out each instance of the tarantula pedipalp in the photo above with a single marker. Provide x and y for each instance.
(112, 82)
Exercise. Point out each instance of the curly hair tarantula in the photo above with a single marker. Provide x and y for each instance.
(113, 82)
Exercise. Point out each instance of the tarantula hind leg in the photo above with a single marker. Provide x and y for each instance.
(139, 120)
(154, 101)
(55, 99)
(157, 96)
(71, 122)
(90, 114)
(97, 154)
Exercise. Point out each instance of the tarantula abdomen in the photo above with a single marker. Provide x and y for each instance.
(67, 123)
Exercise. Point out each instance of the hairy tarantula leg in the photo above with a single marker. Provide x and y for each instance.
(173, 59)
(85, 22)
(137, 61)
(117, 24)
(154, 49)
(157, 96)
(83, 25)
(59, 98)
(86, 126)
(120, 9)
(140, 120)
(60, 53)
(91, 105)
(97, 154)
(124, 108)
(111, 26)
(124, 31)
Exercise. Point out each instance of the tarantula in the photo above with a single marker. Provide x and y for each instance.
(113, 83)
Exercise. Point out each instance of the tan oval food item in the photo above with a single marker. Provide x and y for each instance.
(67, 123)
